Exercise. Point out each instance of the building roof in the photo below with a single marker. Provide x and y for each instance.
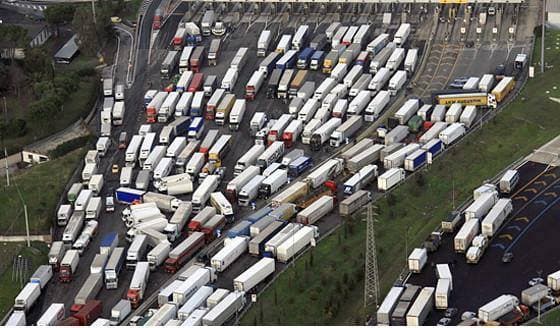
(553, 6)
(68, 50)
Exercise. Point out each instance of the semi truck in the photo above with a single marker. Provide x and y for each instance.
(223, 311)
(482, 99)
(390, 178)
(27, 297)
(114, 267)
(417, 259)
(421, 307)
(88, 291)
(316, 210)
(498, 307)
(360, 179)
(184, 251)
(233, 248)
(496, 217)
(329, 170)
(257, 273)
(464, 237)
(135, 293)
(388, 305)
(263, 43)
(345, 131)
(300, 239)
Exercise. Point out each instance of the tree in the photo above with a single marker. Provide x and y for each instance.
(59, 14)
(4, 77)
(37, 63)
(84, 27)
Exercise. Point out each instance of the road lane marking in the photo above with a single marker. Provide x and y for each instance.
(506, 236)
(521, 218)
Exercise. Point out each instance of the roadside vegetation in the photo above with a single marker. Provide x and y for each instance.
(11, 279)
(41, 187)
(331, 291)
(551, 318)
(42, 97)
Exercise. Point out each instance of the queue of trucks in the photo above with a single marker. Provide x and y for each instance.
(321, 116)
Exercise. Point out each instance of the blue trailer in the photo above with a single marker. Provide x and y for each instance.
(127, 195)
(304, 57)
(415, 160)
(288, 60)
(259, 214)
(257, 244)
(108, 243)
(433, 147)
(196, 128)
(317, 60)
(181, 125)
(269, 63)
(240, 229)
(299, 165)
(193, 39)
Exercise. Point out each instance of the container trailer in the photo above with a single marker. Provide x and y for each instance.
(464, 237)
(496, 217)
(498, 307)
(223, 311)
(233, 248)
(390, 178)
(421, 307)
(300, 239)
(417, 259)
(388, 305)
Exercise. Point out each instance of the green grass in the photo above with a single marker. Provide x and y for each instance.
(9, 285)
(77, 106)
(130, 11)
(551, 318)
(41, 187)
(418, 205)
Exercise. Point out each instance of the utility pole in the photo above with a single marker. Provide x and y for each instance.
(26, 225)
(5, 150)
(93, 11)
(542, 34)
(371, 286)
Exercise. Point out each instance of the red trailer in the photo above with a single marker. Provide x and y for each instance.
(89, 312)
(196, 82)
(156, 23)
(184, 252)
(195, 62)
(209, 228)
(70, 321)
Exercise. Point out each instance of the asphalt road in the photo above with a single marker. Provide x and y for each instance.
(530, 234)
(459, 50)
(147, 76)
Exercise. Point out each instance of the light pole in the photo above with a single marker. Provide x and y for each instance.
(5, 150)
(542, 34)
(25, 215)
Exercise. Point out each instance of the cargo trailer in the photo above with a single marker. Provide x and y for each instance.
(496, 217)
(498, 307)
(197, 300)
(385, 311)
(464, 237)
(233, 248)
(390, 178)
(417, 259)
(291, 246)
(442, 293)
(421, 307)
(223, 311)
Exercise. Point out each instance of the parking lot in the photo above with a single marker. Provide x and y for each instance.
(444, 62)
(529, 234)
